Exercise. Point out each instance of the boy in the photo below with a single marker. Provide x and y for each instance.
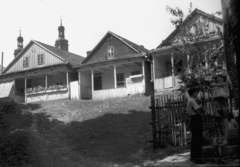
(196, 126)
(220, 106)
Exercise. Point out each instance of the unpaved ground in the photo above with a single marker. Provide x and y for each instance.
(101, 134)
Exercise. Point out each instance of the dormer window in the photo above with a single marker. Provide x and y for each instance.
(110, 52)
(40, 59)
(25, 62)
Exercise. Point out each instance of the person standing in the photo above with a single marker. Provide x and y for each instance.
(196, 126)
(220, 106)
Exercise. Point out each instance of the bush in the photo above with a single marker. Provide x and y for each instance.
(13, 145)
(6, 105)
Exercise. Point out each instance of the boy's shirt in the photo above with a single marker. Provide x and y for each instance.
(191, 106)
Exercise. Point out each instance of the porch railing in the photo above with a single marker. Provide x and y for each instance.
(165, 82)
(118, 92)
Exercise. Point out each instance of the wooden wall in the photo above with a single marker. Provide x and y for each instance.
(120, 50)
(32, 52)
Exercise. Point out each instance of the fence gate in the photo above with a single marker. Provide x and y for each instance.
(171, 119)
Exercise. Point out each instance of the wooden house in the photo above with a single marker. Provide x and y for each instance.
(41, 72)
(168, 62)
(114, 68)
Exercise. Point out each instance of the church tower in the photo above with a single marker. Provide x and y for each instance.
(61, 42)
(19, 44)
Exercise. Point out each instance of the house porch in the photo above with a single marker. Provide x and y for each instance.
(112, 81)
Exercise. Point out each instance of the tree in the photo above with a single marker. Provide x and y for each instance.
(200, 73)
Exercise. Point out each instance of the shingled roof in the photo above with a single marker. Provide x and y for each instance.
(138, 48)
(72, 58)
(196, 11)
(67, 57)
(135, 46)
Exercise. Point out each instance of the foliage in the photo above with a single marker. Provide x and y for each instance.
(6, 107)
(35, 89)
(57, 87)
(202, 72)
(42, 89)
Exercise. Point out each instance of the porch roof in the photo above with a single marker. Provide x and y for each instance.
(172, 48)
(34, 72)
(133, 58)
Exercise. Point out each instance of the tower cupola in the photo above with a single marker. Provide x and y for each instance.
(19, 44)
(61, 42)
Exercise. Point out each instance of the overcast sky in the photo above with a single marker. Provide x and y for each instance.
(144, 22)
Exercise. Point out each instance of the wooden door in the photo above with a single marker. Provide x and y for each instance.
(97, 82)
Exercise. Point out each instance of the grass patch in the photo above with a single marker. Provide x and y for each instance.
(100, 133)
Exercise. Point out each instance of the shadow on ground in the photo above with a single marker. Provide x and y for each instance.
(36, 139)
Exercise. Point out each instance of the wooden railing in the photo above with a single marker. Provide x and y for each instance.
(165, 82)
(118, 92)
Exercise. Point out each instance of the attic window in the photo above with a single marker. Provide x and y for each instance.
(25, 62)
(110, 52)
(40, 59)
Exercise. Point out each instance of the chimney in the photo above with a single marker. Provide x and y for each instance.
(2, 63)
(88, 52)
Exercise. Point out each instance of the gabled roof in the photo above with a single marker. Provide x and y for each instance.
(72, 58)
(189, 18)
(138, 48)
(135, 46)
(67, 57)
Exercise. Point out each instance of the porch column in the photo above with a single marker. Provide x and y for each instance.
(25, 87)
(67, 77)
(115, 76)
(188, 59)
(14, 88)
(79, 85)
(46, 86)
(172, 62)
(92, 73)
(143, 76)
(216, 63)
(153, 69)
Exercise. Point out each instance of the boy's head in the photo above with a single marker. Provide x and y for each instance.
(220, 78)
(192, 92)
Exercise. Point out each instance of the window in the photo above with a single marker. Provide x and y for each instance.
(25, 62)
(199, 28)
(40, 59)
(110, 52)
(120, 79)
(135, 72)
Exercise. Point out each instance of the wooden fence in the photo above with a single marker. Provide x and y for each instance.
(170, 119)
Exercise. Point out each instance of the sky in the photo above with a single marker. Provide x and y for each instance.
(144, 22)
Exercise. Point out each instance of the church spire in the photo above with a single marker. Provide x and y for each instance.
(19, 44)
(61, 42)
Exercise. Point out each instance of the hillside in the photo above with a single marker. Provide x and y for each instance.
(90, 133)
